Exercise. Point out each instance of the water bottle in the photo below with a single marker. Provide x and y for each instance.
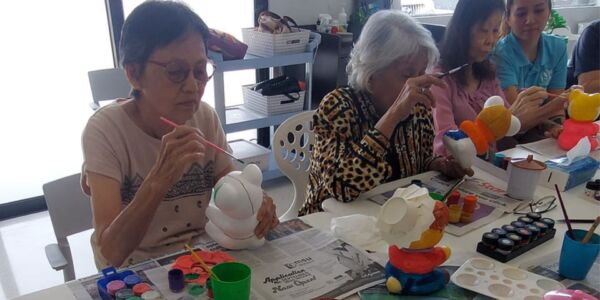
(342, 20)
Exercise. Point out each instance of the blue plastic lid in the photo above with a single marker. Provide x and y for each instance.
(132, 280)
(456, 134)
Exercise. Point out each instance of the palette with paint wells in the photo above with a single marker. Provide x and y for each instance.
(500, 281)
(516, 238)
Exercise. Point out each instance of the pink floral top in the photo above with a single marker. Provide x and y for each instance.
(455, 104)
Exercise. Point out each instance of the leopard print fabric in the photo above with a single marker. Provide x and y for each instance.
(350, 156)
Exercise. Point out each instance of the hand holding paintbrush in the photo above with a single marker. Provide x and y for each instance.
(174, 125)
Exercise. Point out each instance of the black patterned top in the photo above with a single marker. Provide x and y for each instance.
(350, 156)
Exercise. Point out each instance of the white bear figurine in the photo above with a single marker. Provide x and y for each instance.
(236, 199)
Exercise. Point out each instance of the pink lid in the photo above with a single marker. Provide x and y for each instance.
(568, 294)
(114, 286)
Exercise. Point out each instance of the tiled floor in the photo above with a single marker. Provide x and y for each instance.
(23, 265)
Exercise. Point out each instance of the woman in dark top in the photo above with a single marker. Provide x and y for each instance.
(586, 58)
(380, 128)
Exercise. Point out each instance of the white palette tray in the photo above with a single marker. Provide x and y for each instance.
(501, 281)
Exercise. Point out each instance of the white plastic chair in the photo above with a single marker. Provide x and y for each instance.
(292, 146)
(70, 212)
(108, 84)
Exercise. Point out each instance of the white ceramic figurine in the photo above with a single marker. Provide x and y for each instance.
(235, 202)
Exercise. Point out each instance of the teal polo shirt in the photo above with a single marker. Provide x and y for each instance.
(549, 70)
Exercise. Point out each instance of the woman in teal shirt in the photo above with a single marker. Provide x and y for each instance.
(527, 56)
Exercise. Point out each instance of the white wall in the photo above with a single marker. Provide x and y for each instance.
(573, 15)
(578, 15)
(306, 11)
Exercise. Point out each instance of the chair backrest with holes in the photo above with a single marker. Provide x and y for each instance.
(292, 147)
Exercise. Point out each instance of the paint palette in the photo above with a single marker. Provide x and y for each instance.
(516, 238)
(500, 281)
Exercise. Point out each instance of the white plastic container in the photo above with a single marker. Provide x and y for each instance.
(523, 177)
(250, 153)
(271, 105)
(267, 44)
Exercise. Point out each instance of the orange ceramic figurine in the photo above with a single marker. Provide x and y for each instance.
(583, 111)
(493, 123)
(413, 223)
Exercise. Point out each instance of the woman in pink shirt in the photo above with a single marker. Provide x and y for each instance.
(469, 39)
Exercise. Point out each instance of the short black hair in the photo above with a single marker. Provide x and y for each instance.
(154, 24)
(509, 3)
(457, 39)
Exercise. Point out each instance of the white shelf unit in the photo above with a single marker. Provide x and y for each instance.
(238, 118)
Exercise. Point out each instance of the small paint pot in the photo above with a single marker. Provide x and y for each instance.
(518, 224)
(526, 220)
(490, 239)
(132, 280)
(525, 235)
(534, 216)
(516, 239)
(535, 232)
(500, 232)
(509, 229)
(505, 245)
(549, 222)
(542, 227)
(114, 286)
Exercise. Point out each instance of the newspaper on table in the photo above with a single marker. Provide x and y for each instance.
(298, 262)
(492, 201)
(547, 265)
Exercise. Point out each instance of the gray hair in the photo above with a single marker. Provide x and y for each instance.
(387, 36)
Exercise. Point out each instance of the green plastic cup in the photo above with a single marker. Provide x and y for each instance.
(233, 282)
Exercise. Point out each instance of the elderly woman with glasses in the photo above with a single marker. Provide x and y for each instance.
(380, 128)
(150, 183)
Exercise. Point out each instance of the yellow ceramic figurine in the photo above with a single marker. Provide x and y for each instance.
(583, 111)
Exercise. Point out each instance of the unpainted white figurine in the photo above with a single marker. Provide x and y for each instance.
(236, 199)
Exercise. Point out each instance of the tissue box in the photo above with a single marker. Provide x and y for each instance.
(566, 177)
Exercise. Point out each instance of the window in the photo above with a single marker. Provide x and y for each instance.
(46, 92)
(440, 7)
(47, 51)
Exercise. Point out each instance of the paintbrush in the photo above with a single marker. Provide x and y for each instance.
(442, 75)
(577, 221)
(590, 232)
(453, 188)
(202, 263)
(564, 210)
(173, 124)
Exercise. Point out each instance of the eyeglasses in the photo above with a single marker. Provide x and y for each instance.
(540, 206)
(178, 71)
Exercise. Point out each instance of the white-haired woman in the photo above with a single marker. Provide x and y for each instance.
(380, 128)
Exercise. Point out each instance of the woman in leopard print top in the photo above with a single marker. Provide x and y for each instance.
(380, 128)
